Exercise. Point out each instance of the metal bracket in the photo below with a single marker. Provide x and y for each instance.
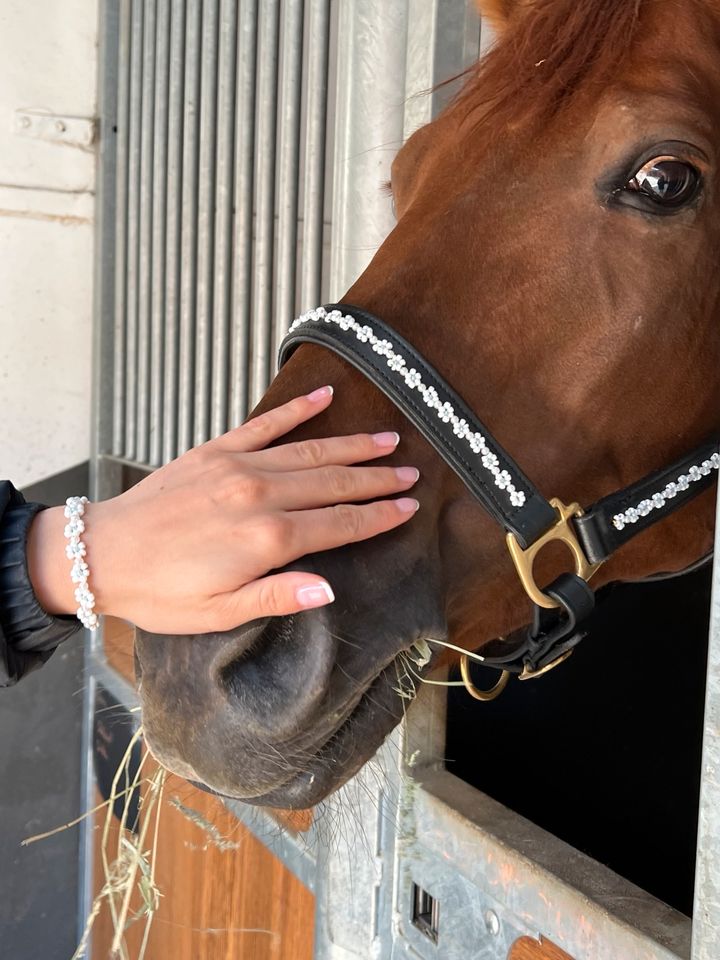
(71, 131)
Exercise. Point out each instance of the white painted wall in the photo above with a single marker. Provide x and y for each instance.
(48, 62)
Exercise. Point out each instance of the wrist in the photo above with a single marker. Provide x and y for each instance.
(48, 567)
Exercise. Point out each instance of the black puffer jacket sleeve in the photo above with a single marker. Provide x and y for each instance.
(28, 635)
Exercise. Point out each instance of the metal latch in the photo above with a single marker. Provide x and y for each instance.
(72, 131)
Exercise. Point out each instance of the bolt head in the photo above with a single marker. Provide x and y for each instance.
(492, 923)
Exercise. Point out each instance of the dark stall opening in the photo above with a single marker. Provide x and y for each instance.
(605, 751)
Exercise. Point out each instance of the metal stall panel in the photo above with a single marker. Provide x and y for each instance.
(221, 203)
(706, 915)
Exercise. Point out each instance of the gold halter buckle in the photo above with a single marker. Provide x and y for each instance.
(528, 674)
(562, 531)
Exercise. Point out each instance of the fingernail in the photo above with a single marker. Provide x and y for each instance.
(389, 439)
(407, 505)
(407, 474)
(315, 595)
(321, 394)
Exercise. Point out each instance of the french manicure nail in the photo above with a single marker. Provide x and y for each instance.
(407, 474)
(389, 439)
(321, 394)
(315, 595)
(407, 505)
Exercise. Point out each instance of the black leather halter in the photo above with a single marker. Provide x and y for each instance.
(492, 476)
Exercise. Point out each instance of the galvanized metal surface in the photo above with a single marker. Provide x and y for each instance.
(189, 223)
(222, 263)
(158, 231)
(313, 208)
(246, 92)
(369, 121)
(706, 917)
(173, 239)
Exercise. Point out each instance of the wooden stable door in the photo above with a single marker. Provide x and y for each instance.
(224, 896)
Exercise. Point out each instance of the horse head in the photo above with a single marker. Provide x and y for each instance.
(555, 258)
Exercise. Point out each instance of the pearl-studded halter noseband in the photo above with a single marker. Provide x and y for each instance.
(492, 476)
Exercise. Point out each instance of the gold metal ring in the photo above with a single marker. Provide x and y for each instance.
(485, 695)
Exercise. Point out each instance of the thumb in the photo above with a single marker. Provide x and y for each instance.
(278, 595)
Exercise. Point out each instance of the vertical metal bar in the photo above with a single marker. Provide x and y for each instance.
(372, 41)
(266, 127)
(439, 47)
(288, 169)
(227, 69)
(706, 914)
(173, 257)
(315, 143)
(113, 73)
(121, 197)
(159, 227)
(244, 192)
(206, 221)
(222, 295)
(133, 230)
(191, 100)
(145, 250)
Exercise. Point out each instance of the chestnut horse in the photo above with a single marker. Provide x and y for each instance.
(555, 257)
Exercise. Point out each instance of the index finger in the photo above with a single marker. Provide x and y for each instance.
(263, 429)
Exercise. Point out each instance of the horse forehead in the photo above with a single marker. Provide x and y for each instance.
(673, 57)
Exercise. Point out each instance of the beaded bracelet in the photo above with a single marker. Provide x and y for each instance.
(77, 551)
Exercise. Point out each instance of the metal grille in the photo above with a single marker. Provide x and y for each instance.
(221, 201)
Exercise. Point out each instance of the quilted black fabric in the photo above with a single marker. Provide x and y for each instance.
(28, 635)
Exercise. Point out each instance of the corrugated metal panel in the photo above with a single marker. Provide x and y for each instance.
(222, 116)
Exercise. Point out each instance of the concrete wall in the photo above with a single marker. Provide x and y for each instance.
(48, 62)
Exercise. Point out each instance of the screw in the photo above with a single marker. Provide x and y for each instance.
(60, 126)
(492, 923)
(25, 122)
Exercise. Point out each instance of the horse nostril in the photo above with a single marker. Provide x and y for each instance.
(276, 683)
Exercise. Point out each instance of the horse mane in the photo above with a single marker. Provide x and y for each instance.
(547, 54)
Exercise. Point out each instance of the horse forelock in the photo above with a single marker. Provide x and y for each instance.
(555, 51)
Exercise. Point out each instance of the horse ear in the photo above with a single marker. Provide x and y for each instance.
(498, 12)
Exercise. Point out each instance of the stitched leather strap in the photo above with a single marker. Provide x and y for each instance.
(528, 521)
(553, 632)
(617, 518)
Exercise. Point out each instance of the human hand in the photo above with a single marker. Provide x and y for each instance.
(188, 549)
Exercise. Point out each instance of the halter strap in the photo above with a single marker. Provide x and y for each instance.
(428, 401)
(492, 476)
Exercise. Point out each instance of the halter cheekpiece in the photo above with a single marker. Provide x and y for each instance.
(492, 476)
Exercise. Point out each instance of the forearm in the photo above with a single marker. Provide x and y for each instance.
(28, 633)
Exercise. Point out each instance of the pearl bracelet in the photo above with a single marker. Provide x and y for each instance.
(77, 551)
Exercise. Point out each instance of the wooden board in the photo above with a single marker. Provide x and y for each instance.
(528, 949)
(118, 640)
(232, 904)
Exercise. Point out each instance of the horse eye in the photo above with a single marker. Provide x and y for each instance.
(666, 181)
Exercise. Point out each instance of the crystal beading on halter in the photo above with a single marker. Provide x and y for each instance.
(413, 379)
